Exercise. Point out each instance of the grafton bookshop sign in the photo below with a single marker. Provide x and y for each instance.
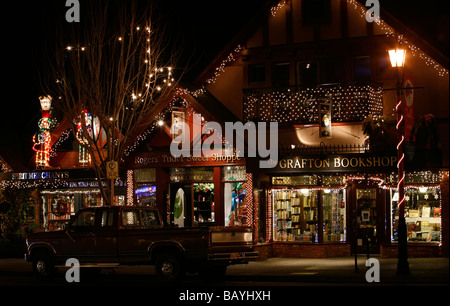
(337, 163)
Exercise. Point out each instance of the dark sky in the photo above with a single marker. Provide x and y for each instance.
(205, 26)
(29, 27)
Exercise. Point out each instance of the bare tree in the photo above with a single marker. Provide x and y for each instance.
(113, 66)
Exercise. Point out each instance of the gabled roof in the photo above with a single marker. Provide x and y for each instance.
(202, 102)
(259, 17)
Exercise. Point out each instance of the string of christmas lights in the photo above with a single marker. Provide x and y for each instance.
(350, 102)
(388, 31)
(274, 9)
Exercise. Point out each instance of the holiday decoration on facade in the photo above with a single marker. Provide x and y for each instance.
(42, 138)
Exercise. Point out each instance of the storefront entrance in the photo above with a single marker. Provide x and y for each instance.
(367, 209)
(181, 204)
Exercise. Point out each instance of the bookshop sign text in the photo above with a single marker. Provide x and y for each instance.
(337, 163)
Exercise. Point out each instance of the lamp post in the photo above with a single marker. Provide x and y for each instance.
(397, 57)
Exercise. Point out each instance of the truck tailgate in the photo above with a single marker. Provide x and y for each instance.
(231, 243)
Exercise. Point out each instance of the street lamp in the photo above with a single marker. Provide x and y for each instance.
(397, 57)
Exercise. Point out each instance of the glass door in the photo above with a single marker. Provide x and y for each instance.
(366, 221)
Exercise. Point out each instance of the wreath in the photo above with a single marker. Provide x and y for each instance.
(60, 208)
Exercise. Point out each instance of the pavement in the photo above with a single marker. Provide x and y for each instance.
(286, 272)
(277, 281)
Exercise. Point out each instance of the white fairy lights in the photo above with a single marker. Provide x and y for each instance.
(413, 50)
(350, 102)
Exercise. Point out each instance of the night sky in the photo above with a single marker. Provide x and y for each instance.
(204, 26)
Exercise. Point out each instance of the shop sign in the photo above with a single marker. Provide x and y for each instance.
(169, 160)
(354, 162)
(41, 175)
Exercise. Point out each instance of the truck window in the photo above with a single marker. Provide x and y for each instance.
(139, 217)
(107, 219)
(149, 218)
(84, 222)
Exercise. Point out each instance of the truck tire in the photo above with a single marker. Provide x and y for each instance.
(43, 266)
(169, 268)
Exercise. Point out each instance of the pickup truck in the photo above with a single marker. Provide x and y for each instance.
(135, 235)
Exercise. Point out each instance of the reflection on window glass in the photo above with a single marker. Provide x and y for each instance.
(84, 221)
(235, 206)
(140, 217)
(422, 214)
(107, 218)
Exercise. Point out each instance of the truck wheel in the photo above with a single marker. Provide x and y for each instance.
(169, 268)
(43, 266)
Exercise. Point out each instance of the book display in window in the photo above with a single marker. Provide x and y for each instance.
(295, 215)
(422, 214)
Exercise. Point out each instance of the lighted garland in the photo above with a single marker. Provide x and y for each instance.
(274, 9)
(415, 51)
(350, 102)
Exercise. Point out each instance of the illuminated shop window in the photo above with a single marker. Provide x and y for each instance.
(334, 216)
(204, 207)
(295, 215)
(146, 195)
(422, 214)
(145, 186)
(234, 195)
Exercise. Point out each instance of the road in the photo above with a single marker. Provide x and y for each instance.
(281, 278)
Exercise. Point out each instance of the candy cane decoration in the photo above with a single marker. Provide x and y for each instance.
(402, 157)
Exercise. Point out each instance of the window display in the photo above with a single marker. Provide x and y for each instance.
(204, 204)
(422, 214)
(295, 214)
(334, 222)
(234, 195)
(60, 205)
(146, 195)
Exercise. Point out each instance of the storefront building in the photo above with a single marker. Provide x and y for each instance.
(197, 188)
(190, 193)
(59, 194)
(342, 204)
(327, 80)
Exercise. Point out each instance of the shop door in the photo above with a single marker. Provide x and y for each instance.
(181, 204)
(366, 221)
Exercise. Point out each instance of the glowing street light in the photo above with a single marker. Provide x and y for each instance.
(397, 57)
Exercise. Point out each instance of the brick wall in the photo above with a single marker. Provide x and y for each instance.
(299, 250)
(445, 214)
(421, 250)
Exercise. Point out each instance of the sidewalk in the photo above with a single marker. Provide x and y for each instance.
(337, 271)
(291, 272)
